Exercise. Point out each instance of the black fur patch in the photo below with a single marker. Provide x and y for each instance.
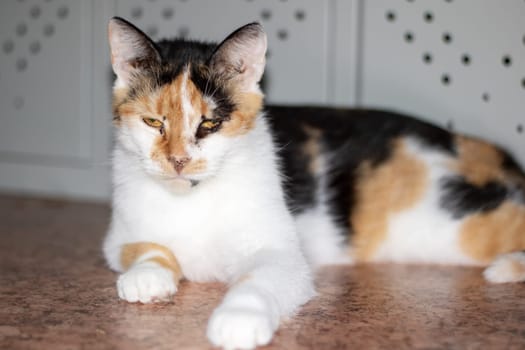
(348, 137)
(461, 198)
(176, 55)
(299, 183)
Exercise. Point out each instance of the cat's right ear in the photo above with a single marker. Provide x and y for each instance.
(132, 51)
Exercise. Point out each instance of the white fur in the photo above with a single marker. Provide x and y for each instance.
(233, 225)
(321, 240)
(146, 282)
(425, 233)
(187, 108)
(504, 269)
(126, 45)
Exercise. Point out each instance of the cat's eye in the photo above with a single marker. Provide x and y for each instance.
(154, 123)
(207, 126)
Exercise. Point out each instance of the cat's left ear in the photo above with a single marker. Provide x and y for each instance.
(241, 57)
(132, 51)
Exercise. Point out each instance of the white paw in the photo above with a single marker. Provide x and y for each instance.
(506, 268)
(240, 328)
(146, 284)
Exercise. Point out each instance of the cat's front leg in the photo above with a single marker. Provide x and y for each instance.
(273, 286)
(151, 273)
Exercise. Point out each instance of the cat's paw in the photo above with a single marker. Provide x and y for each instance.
(146, 284)
(240, 328)
(506, 268)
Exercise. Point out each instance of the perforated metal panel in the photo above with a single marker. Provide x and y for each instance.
(42, 80)
(54, 123)
(458, 63)
(297, 36)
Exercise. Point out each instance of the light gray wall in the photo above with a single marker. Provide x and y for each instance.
(55, 131)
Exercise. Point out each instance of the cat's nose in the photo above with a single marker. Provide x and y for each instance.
(179, 162)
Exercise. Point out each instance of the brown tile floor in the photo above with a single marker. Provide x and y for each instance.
(56, 293)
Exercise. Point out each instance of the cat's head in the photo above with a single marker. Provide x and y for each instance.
(179, 106)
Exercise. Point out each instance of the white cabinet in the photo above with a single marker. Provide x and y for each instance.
(457, 63)
(54, 97)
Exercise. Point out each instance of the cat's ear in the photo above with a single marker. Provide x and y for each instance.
(241, 57)
(132, 51)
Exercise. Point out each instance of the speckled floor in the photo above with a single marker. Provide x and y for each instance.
(56, 293)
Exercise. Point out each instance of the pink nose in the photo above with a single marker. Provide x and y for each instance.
(179, 162)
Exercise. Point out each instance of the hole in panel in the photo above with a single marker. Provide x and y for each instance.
(167, 13)
(49, 30)
(21, 64)
(266, 14)
(485, 97)
(506, 60)
(446, 79)
(409, 37)
(427, 57)
(8, 46)
(300, 15)
(136, 12)
(428, 16)
(183, 32)
(34, 47)
(519, 128)
(465, 58)
(390, 16)
(282, 34)
(62, 12)
(35, 12)
(447, 38)
(21, 29)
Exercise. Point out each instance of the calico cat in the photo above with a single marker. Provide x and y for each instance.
(211, 186)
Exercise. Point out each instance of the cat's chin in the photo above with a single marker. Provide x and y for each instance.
(180, 185)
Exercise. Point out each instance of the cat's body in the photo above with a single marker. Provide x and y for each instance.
(208, 186)
(372, 186)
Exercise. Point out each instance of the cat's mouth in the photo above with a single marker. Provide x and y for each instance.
(181, 183)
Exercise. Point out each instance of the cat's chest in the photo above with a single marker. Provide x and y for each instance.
(208, 233)
(168, 216)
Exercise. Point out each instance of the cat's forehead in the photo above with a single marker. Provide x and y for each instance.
(172, 92)
(180, 97)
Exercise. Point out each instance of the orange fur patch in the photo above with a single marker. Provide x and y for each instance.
(131, 252)
(169, 103)
(195, 166)
(312, 148)
(141, 106)
(483, 236)
(391, 187)
(243, 119)
(479, 162)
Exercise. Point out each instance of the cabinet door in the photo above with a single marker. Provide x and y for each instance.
(54, 123)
